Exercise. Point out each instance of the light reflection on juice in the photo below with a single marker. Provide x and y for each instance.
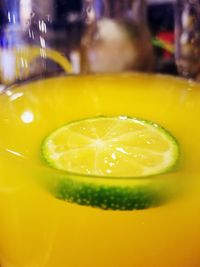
(38, 230)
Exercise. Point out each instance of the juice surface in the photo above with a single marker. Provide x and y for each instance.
(36, 229)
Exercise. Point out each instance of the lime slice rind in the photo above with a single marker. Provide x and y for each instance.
(148, 193)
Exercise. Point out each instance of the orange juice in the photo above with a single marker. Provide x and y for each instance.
(36, 229)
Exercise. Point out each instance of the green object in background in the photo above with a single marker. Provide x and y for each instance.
(164, 45)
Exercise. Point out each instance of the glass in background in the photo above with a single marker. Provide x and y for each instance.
(187, 36)
(38, 38)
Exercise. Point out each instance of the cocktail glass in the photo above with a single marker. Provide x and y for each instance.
(40, 224)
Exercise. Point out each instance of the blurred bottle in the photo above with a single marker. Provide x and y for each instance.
(116, 37)
(187, 38)
(39, 38)
(16, 36)
(10, 36)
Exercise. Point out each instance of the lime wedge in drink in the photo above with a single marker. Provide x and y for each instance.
(108, 161)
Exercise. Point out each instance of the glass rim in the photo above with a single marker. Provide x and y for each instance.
(69, 174)
(61, 73)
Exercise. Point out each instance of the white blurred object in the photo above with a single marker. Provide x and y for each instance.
(116, 37)
(112, 49)
(7, 65)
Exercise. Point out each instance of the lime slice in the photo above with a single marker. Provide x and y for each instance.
(117, 146)
(101, 155)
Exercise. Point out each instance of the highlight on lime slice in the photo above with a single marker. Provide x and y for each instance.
(109, 162)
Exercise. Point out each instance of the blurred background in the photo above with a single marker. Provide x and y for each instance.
(45, 23)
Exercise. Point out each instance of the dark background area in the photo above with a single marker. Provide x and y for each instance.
(160, 20)
(160, 16)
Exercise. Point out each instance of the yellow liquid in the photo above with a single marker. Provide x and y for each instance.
(36, 229)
